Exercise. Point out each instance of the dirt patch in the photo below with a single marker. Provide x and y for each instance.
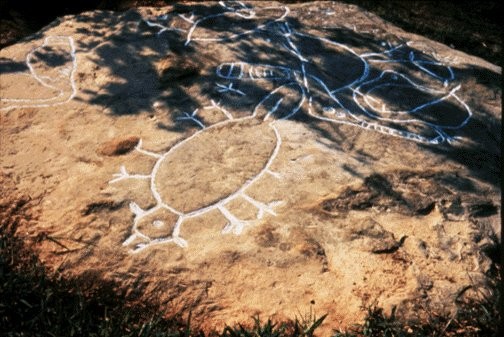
(180, 70)
(16, 210)
(117, 147)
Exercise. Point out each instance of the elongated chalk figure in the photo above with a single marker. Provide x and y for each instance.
(52, 68)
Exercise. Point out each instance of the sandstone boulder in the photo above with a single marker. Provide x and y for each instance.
(234, 159)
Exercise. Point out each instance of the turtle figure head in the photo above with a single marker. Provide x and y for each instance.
(154, 226)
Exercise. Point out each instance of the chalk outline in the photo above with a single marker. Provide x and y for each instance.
(230, 11)
(443, 94)
(412, 60)
(42, 103)
(234, 224)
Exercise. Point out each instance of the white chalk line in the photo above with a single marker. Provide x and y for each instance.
(253, 71)
(444, 96)
(277, 104)
(287, 73)
(236, 35)
(217, 106)
(229, 88)
(421, 64)
(164, 28)
(243, 12)
(192, 117)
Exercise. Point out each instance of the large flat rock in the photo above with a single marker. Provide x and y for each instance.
(236, 159)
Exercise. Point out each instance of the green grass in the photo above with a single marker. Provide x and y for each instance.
(471, 320)
(35, 302)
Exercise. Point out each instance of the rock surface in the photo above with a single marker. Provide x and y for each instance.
(238, 159)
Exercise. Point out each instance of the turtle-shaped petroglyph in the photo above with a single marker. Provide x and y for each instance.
(243, 152)
(51, 69)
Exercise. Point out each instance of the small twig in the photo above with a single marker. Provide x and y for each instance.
(56, 242)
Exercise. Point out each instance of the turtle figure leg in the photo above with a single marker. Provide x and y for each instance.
(235, 225)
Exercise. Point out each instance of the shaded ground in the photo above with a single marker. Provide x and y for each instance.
(464, 25)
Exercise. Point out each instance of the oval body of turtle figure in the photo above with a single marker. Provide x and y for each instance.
(189, 177)
(189, 181)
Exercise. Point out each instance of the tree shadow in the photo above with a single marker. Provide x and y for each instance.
(10, 66)
(151, 69)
